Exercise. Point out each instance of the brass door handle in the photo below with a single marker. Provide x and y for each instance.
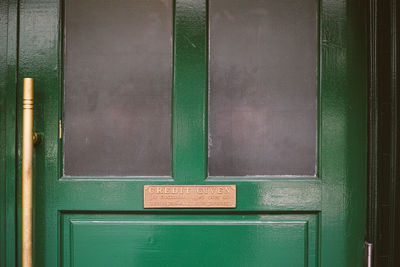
(27, 174)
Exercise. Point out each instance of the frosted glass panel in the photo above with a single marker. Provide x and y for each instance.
(118, 71)
(263, 87)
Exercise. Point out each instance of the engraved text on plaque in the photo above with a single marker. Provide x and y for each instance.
(189, 196)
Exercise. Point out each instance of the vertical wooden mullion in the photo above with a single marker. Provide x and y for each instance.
(189, 127)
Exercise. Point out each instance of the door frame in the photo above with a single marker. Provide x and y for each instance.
(383, 214)
(8, 151)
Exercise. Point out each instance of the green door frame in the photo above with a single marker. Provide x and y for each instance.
(354, 17)
(383, 225)
(8, 164)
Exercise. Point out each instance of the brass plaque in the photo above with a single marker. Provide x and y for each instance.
(189, 196)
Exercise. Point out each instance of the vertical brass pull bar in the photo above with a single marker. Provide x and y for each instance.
(27, 154)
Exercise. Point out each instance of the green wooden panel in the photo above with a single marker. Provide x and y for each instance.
(336, 196)
(3, 91)
(343, 131)
(8, 72)
(189, 128)
(189, 240)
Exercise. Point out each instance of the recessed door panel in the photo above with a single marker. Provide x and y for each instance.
(189, 240)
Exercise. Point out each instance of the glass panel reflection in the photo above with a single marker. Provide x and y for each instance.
(118, 71)
(263, 87)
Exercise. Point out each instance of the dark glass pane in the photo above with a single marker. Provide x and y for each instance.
(118, 71)
(263, 87)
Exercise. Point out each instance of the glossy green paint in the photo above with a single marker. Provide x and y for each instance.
(344, 118)
(3, 91)
(8, 84)
(327, 212)
(190, 92)
(190, 239)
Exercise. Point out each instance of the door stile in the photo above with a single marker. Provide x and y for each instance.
(36, 34)
(344, 140)
(189, 123)
(10, 153)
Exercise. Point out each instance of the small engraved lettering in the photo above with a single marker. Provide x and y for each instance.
(189, 196)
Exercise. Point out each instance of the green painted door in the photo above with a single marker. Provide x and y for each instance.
(269, 96)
